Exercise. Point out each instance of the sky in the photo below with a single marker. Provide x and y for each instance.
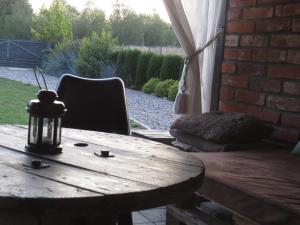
(140, 6)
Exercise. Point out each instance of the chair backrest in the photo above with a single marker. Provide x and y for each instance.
(94, 104)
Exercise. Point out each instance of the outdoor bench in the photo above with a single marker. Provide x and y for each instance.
(262, 185)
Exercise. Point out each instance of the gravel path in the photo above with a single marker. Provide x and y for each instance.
(154, 112)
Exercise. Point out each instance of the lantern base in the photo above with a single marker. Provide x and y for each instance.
(44, 149)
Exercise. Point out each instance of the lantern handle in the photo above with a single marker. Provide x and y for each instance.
(42, 74)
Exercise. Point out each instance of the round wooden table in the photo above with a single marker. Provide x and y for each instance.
(79, 187)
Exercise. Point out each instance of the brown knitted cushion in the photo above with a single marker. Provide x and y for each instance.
(223, 128)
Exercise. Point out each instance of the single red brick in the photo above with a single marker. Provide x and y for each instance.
(288, 10)
(260, 12)
(238, 54)
(292, 40)
(235, 81)
(264, 1)
(228, 67)
(255, 40)
(270, 116)
(232, 40)
(265, 85)
(293, 56)
(285, 134)
(231, 107)
(242, 3)
(291, 87)
(296, 25)
(264, 114)
(283, 1)
(291, 120)
(253, 110)
(234, 14)
(251, 69)
(251, 97)
(273, 25)
(226, 93)
(284, 71)
(283, 103)
(240, 27)
(269, 55)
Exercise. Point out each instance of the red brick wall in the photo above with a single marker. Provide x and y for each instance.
(261, 65)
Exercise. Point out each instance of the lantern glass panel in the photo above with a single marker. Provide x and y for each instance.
(58, 138)
(33, 137)
(48, 131)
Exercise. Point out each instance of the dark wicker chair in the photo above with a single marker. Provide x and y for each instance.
(94, 104)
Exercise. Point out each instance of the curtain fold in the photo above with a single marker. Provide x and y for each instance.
(195, 23)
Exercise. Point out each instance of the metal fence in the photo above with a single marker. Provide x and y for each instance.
(21, 53)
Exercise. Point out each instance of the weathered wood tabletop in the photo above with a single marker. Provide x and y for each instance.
(79, 187)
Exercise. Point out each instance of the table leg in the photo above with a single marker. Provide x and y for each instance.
(99, 219)
(125, 219)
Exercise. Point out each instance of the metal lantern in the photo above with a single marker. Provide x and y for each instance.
(45, 115)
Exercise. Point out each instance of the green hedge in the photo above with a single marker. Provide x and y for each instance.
(150, 86)
(120, 63)
(155, 64)
(130, 66)
(136, 67)
(171, 67)
(141, 69)
(172, 91)
(162, 88)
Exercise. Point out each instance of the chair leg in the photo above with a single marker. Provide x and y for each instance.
(125, 219)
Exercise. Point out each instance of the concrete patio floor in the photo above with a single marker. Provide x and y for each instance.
(155, 216)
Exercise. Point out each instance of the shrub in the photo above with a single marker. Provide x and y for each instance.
(161, 89)
(149, 87)
(171, 67)
(94, 52)
(62, 59)
(155, 64)
(120, 63)
(172, 91)
(130, 66)
(114, 57)
(141, 69)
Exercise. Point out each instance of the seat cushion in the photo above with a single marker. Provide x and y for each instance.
(188, 142)
(261, 185)
(223, 128)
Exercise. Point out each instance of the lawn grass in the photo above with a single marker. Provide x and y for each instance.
(14, 96)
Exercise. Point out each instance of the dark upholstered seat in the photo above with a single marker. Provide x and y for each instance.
(94, 104)
(260, 184)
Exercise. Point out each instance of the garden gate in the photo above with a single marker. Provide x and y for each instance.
(20, 53)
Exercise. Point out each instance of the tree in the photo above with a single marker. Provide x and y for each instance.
(15, 19)
(89, 21)
(154, 30)
(170, 38)
(52, 24)
(126, 25)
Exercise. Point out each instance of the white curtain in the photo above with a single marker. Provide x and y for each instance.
(195, 23)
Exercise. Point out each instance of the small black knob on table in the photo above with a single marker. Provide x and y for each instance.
(36, 162)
